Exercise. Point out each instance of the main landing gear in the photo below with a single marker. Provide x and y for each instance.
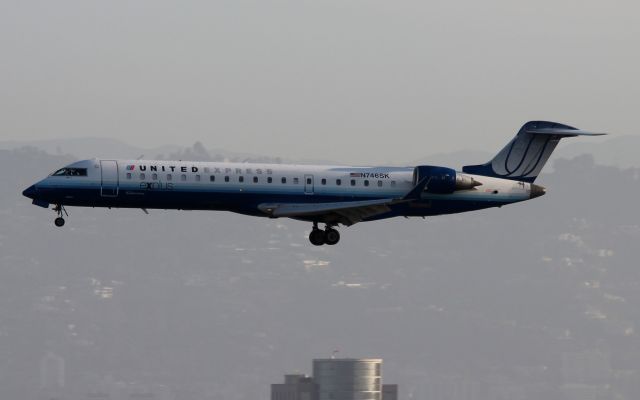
(329, 236)
(60, 210)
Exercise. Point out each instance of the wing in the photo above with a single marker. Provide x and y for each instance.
(343, 212)
(346, 212)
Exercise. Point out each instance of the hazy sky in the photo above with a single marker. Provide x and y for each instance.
(366, 80)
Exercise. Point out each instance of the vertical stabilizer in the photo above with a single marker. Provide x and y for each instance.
(525, 155)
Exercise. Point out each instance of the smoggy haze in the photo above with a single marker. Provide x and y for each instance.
(367, 81)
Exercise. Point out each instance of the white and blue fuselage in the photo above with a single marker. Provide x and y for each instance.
(332, 195)
(244, 187)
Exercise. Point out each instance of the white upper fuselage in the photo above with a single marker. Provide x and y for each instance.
(330, 194)
(136, 177)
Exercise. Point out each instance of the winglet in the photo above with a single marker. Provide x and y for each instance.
(417, 190)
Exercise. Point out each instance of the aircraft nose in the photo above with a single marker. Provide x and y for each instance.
(30, 192)
(537, 191)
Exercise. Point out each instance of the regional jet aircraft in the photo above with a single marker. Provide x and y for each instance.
(329, 195)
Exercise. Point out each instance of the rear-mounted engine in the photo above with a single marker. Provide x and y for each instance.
(441, 180)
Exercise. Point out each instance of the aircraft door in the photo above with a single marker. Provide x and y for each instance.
(308, 184)
(109, 182)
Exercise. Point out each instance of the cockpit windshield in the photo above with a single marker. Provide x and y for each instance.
(70, 172)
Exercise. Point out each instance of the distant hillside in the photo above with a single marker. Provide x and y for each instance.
(617, 151)
(82, 148)
(456, 159)
(621, 151)
(89, 147)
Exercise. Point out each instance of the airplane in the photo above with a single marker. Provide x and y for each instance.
(329, 195)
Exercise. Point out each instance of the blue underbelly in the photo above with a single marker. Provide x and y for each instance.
(243, 202)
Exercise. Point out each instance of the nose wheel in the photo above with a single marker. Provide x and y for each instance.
(318, 237)
(60, 210)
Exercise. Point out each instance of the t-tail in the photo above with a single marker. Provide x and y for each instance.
(522, 159)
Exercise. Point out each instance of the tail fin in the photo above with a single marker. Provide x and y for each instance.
(523, 158)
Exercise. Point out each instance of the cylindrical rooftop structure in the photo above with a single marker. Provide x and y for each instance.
(348, 378)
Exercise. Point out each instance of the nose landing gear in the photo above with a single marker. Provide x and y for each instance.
(60, 210)
(318, 237)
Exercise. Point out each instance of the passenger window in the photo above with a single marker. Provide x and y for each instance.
(154, 177)
(241, 179)
(393, 183)
(283, 180)
(169, 177)
(197, 178)
(212, 178)
(296, 181)
(269, 179)
(338, 182)
(323, 181)
(255, 179)
(142, 177)
(128, 175)
(366, 182)
(379, 183)
(183, 177)
(226, 179)
(353, 182)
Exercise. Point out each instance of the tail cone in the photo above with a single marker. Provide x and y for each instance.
(537, 191)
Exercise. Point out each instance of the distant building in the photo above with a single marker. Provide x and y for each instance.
(337, 379)
(295, 387)
(390, 392)
(348, 378)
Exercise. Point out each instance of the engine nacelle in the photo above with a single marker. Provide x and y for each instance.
(442, 180)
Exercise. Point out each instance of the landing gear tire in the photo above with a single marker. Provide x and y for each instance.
(59, 209)
(316, 237)
(331, 236)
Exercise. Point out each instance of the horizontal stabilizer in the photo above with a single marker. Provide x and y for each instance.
(563, 132)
